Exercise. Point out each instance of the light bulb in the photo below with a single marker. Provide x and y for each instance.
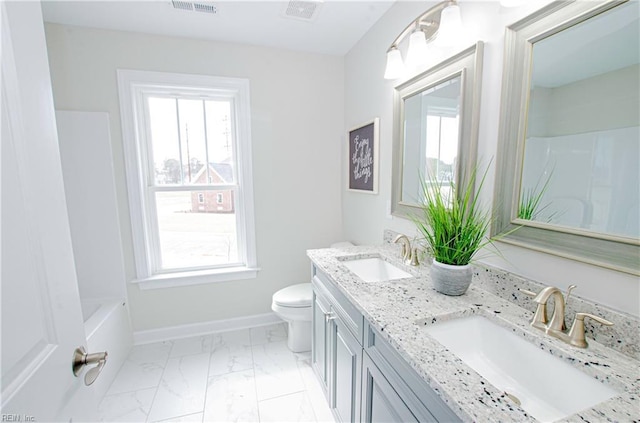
(450, 31)
(395, 67)
(417, 52)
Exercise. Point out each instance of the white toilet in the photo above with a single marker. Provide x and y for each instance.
(293, 305)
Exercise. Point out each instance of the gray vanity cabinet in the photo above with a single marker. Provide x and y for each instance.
(320, 339)
(345, 366)
(336, 352)
(380, 402)
(393, 390)
(364, 378)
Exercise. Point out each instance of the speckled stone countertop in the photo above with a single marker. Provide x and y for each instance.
(400, 309)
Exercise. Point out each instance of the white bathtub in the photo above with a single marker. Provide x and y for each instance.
(107, 327)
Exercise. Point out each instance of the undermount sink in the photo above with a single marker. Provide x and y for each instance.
(543, 385)
(374, 269)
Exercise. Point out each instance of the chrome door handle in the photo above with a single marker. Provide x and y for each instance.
(330, 316)
(81, 359)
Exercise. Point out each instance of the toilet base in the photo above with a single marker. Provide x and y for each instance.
(299, 336)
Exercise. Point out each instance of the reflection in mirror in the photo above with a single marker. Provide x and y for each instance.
(435, 128)
(582, 149)
(431, 135)
(569, 147)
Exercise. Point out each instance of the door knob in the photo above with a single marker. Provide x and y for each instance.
(81, 359)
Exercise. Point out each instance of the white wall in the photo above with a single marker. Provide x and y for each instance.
(297, 129)
(85, 152)
(605, 101)
(368, 95)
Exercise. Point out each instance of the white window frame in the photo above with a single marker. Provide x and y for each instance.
(133, 87)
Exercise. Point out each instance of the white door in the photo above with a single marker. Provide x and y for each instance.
(41, 316)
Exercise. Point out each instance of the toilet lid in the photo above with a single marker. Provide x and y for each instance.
(294, 296)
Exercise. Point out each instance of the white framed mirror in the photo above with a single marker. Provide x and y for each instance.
(569, 148)
(435, 127)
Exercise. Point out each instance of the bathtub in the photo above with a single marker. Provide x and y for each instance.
(107, 328)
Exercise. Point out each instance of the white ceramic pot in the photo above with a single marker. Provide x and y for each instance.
(451, 280)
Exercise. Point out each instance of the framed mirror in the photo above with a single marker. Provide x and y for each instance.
(569, 148)
(435, 127)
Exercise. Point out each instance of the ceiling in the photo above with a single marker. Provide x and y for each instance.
(334, 28)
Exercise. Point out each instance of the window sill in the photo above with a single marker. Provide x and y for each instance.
(197, 277)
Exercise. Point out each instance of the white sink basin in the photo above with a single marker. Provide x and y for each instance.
(547, 388)
(375, 269)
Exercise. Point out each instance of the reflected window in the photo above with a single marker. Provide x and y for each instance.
(431, 142)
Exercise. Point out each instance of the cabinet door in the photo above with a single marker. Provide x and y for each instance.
(346, 369)
(418, 397)
(319, 339)
(380, 402)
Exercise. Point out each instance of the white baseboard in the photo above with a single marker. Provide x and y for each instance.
(203, 328)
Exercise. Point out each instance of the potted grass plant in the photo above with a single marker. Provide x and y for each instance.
(454, 228)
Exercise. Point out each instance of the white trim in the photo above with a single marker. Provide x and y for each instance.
(133, 86)
(196, 277)
(204, 328)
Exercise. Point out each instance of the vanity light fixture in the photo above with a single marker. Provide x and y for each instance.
(440, 25)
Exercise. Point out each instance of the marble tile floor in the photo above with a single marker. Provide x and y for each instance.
(240, 376)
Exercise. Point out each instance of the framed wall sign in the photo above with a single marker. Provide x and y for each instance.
(363, 158)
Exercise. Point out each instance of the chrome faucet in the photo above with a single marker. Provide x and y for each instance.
(409, 255)
(556, 327)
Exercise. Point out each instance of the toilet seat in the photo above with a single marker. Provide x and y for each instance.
(294, 296)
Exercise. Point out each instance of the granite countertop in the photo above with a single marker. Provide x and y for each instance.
(467, 393)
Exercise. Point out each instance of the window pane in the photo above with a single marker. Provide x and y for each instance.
(164, 140)
(220, 141)
(192, 141)
(196, 233)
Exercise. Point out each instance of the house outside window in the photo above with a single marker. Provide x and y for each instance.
(187, 145)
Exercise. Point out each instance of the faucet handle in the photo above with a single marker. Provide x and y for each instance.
(582, 316)
(540, 318)
(576, 334)
(527, 292)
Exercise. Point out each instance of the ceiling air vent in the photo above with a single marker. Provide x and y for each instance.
(302, 10)
(198, 6)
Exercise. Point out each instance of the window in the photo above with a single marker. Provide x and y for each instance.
(186, 139)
